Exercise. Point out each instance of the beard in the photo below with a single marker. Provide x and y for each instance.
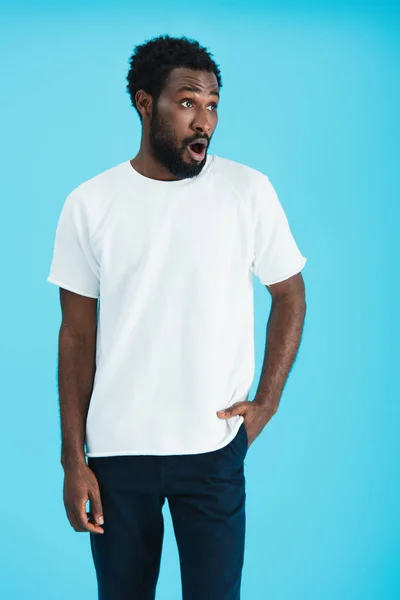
(167, 150)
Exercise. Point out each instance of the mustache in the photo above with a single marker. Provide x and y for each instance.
(197, 137)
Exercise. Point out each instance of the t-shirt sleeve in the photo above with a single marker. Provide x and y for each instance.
(74, 265)
(276, 254)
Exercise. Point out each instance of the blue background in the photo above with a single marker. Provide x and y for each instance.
(311, 98)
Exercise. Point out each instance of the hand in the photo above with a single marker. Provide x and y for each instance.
(255, 415)
(80, 485)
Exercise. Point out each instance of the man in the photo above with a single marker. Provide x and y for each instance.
(156, 381)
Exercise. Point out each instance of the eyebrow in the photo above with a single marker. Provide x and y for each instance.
(190, 88)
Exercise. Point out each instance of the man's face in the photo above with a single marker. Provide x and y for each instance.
(186, 110)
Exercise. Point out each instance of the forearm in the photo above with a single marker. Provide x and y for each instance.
(284, 330)
(76, 369)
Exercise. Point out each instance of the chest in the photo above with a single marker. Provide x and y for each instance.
(186, 232)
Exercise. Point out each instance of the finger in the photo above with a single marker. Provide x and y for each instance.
(73, 519)
(223, 414)
(92, 522)
(96, 508)
(83, 522)
(234, 410)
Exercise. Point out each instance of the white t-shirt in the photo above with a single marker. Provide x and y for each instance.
(172, 263)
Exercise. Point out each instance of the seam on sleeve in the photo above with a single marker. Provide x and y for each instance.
(71, 288)
(289, 274)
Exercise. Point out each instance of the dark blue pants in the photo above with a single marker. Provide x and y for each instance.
(206, 498)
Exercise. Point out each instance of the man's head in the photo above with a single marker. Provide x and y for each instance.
(174, 86)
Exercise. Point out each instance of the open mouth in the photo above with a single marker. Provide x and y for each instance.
(197, 149)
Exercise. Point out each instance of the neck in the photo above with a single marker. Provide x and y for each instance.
(145, 163)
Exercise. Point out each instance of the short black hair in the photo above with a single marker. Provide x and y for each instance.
(151, 63)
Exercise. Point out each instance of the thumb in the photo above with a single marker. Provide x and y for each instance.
(239, 408)
(96, 506)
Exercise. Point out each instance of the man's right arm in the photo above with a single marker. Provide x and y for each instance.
(76, 370)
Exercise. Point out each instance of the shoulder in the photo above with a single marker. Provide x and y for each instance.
(94, 195)
(251, 186)
(103, 183)
(243, 178)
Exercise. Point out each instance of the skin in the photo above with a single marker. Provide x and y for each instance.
(284, 330)
(76, 369)
(177, 118)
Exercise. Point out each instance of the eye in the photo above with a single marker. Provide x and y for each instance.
(213, 106)
(186, 101)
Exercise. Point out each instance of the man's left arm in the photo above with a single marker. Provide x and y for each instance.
(284, 330)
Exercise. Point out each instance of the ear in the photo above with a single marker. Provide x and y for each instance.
(144, 103)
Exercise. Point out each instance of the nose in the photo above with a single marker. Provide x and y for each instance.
(201, 122)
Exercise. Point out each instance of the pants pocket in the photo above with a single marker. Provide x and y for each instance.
(238, 446)
(245, 437)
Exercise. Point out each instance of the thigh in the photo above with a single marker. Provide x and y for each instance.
(127, 556)
(208, 514)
